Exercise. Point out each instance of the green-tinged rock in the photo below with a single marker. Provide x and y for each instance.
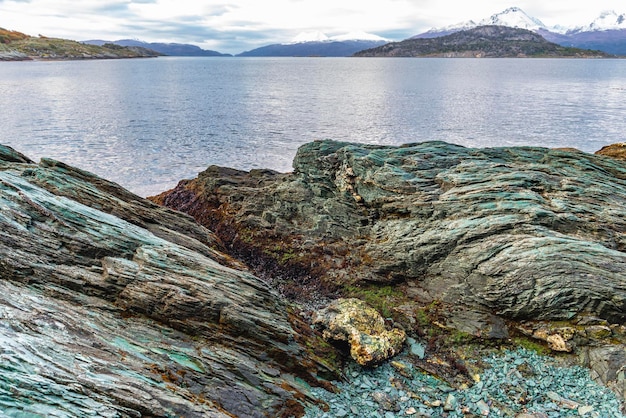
(494, 237)
(113, 306)
(450, 403)
(520, 232)
(416, 349)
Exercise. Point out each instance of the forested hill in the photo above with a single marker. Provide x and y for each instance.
(483, 41)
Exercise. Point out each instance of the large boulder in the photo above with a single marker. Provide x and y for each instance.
(521, 233)
(111, 305)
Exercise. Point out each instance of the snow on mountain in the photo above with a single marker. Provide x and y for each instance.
(608, 20)
(514, 17)
(606, 33)
(317, 36)
(435, 32)
(357, 36)
(517, 18)
(312, 36)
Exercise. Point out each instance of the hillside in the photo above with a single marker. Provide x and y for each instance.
(17, 46)
(606, 33)
(483, 41)
(170, 49)
(331, 48)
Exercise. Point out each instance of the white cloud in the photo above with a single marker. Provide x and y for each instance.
(237, 25)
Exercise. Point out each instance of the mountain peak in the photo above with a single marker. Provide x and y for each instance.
(514, 17)
(608, 20)
(317, 36)
(357, 36)
(311, 36)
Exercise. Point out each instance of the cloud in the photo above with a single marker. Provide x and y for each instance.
(235, 26)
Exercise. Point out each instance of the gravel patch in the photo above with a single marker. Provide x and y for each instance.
(517, 383)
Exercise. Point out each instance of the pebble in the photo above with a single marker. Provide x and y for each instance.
(450, 403)
(584, 410)
(483, 408)
(341, 413)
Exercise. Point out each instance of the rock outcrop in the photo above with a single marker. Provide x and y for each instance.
(523, 233)
(494, 242)
(113, 306)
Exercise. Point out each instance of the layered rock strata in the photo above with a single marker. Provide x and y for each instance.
(492, 243)
(522, 233)
(111, 305)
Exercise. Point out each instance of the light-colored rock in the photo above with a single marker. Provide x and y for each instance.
(353, 321)
(617, 151)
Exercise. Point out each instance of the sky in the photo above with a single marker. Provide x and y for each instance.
(234, 26)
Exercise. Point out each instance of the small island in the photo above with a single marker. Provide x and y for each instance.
(17, 46)
(489, 41)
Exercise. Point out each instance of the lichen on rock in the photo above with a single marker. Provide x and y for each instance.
(363, 328)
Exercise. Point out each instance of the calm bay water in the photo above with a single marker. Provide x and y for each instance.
(148, 123)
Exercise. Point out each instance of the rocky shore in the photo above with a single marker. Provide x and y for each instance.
(113, 306)
(260, 301)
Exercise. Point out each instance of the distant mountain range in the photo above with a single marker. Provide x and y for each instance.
(488, 41)
(313, 49)
(605, 33)
(311, 44)
(172, 49)
(306, 44)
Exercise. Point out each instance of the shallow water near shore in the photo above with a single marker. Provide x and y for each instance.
(149, 123)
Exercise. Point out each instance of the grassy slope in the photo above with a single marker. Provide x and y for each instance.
(41, 47)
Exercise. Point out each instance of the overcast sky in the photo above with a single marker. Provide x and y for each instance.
(234, 26)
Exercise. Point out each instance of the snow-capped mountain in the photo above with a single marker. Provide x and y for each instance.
(514, 17)
(312, 36)
(606, 33)
(447, 30)
(317, 43)
(608, 20)
(317, 36)
(357, 36)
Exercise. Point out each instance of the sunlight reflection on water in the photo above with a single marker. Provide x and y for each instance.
(147, 124)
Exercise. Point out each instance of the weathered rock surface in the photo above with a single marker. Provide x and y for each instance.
(483, 241)
(608, 364)
(362, 327)
(523, 233)
(617, 151)
(113, 306)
